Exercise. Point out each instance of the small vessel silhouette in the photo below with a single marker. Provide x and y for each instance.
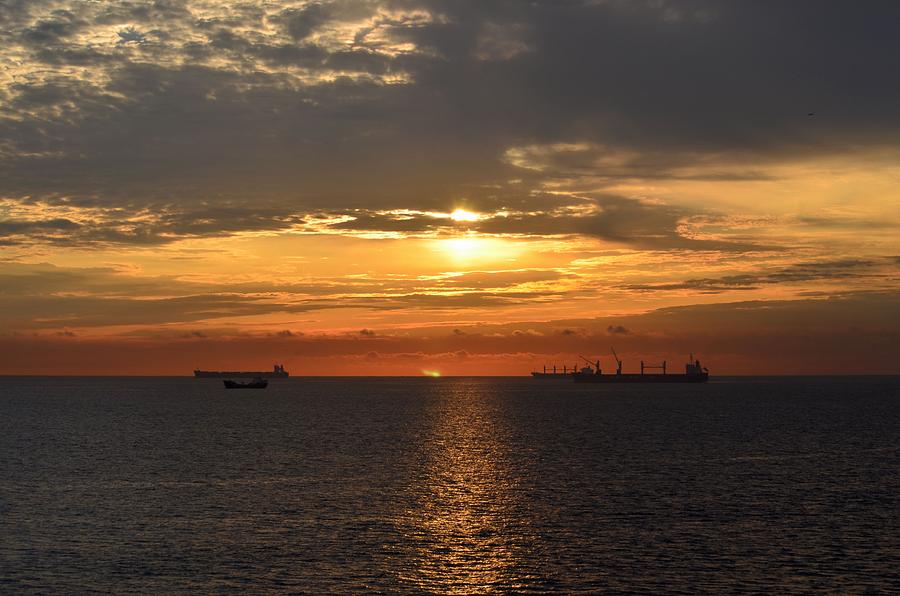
(257, 383)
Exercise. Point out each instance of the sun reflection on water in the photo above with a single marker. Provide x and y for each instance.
(465, 530)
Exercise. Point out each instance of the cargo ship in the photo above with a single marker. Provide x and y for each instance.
(277, 372)
(694, 372)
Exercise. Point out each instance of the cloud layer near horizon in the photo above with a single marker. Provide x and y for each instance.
(777, 337)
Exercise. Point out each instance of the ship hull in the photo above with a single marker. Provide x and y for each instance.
(258, 384)
(215, 374)
(550, 375)
(638, 378)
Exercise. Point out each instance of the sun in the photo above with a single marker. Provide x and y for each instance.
(463, 215)
(431, 373)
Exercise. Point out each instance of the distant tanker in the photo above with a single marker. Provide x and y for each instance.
(276, 372)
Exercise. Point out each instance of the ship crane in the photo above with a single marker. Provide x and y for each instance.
(594, 366)
(618, 362)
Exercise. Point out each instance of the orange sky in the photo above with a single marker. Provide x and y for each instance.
(374, 188)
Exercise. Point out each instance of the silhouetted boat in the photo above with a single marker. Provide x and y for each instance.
(254, 384)
(276, 372)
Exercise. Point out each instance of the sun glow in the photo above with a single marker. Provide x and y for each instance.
(473, 247)
(463, 215)
(431, 373)
(461, 248)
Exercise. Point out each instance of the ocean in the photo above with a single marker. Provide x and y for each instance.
(449, 485)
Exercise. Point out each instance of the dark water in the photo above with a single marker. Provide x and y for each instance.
(449, 486)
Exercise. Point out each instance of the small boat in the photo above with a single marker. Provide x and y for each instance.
(256, 383)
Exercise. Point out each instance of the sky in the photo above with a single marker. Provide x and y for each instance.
(406, 187)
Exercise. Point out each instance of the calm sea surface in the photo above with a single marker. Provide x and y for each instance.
(454, 485)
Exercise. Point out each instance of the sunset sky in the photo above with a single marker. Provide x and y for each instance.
(392, 187)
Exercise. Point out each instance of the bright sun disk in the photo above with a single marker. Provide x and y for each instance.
(463, 215)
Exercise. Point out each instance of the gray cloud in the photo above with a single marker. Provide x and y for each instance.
(302, 22)
(40, 296)
(884, 269)
(776, 337)
(608, 217)
(14, 227)
(59, 25)
(145, 225)
(617, 330)
(502, 279)
(422, 102)
(286, 333)
(131, 35)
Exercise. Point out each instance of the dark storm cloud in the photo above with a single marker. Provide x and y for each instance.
(422, 105)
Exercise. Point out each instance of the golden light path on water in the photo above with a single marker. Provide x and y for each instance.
(466, 532)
